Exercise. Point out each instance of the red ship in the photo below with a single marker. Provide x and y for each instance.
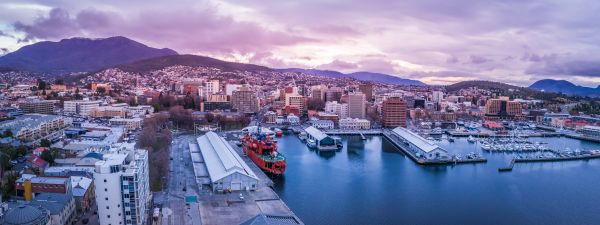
(263, 152)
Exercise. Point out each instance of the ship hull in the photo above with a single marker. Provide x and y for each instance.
(275, 168)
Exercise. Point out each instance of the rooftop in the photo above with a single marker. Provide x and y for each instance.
(415, 139)
(220, 157)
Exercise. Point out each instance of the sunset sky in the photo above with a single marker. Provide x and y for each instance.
(437, 42)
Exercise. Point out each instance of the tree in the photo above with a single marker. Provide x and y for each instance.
(41, 84)
(7, 133)
(101, 90)
(47, 156)
(45, 143)
(8, 183)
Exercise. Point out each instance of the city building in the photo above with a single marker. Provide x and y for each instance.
(38, 106)
(334, 94)
(340, 109)
(129, 123)
(80, 107)
(323, 124)
(354, 124)
(29, 185)
(226, 169)
(422, 147)
(212, 87)
(95, 87)
(590, 131)
(270, 117)
(244, 100)
(322, 141)
(298, 101)
(21, 214)
(356, 105)
(229, 88)
(122, 185)
(108, 111)
(32, 127)
(61, 207)
(437, 96)
(503, 109)
(83, 192)
(139, 111)
(393, 112)
(366, 89)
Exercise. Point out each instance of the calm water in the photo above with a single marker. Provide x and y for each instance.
(370, 182)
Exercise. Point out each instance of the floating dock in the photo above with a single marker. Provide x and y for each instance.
(509, 167)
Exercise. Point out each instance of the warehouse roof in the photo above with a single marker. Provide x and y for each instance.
(315, 133)
(220, 158)
(417, 140)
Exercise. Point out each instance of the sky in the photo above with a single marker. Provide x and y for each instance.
(437, 42)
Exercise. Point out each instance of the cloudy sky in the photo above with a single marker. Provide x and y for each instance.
(438, 42)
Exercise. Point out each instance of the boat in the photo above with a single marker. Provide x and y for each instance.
(302, 136)
(450, 139)
(278, 132)
(471, 139)
(338, 142)
(311, 143)
(262, 150)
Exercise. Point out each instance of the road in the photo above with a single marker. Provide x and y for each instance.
(181, 183)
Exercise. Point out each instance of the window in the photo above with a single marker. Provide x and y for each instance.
(104, 180)
(106, 198)
(108, 216)
(107, 207)
(106, 189)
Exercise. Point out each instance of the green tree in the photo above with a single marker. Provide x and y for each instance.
(45, 143)
(7, 133)
(47, 156)
(8, 183)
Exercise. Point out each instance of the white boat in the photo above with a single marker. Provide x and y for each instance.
(471, 139)
(311, 143)
(302, 136)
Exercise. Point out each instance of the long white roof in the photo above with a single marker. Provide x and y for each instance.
(415, 139)
(220, 158)
(316, 133)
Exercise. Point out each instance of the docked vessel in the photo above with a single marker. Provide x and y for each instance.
(262, 150)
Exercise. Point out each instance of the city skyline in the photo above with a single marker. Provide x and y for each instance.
(437, 43)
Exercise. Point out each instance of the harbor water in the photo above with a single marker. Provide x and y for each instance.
(371, 182)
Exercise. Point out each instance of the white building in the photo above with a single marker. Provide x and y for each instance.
(356, 105)
(139, 111)
(340, 109)
(229, 88)
(80, 107)
(212, 87)
(437, 96)
(122, 186)
(355, 124)
(422, 147)
(293, 119)
(226, 169)
(323, 124)
(129, 123)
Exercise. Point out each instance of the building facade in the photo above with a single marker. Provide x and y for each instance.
(393, 112)
(244, 100)
(356, 105)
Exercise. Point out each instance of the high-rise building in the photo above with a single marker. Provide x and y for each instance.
(244, 100)
(212, 87)
(229, 88)
(502, 109)
(38, 106)
(339, 109)
(334, 94)
(393, 112)
(366, 89)
(297, 101)
(122, 186)
(437, 96)
(356, 105)
(318, 92)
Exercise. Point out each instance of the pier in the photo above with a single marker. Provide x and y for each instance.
(422, 161)
(509, 167)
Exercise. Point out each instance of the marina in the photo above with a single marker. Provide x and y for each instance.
(367, 174)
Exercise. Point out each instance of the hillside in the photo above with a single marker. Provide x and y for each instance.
(187, 60)
(364, 76)
(565, 87)
(79, 55)
(506, 90)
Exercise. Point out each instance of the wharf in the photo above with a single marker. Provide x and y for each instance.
(582, 137)
(509, 167)
(556, 159)
(231, 208)
(422, 161)
(354, 132)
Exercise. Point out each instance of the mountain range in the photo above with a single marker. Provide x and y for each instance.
(364, 76)
(89, 55)
(79, 55)
(565, 87)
